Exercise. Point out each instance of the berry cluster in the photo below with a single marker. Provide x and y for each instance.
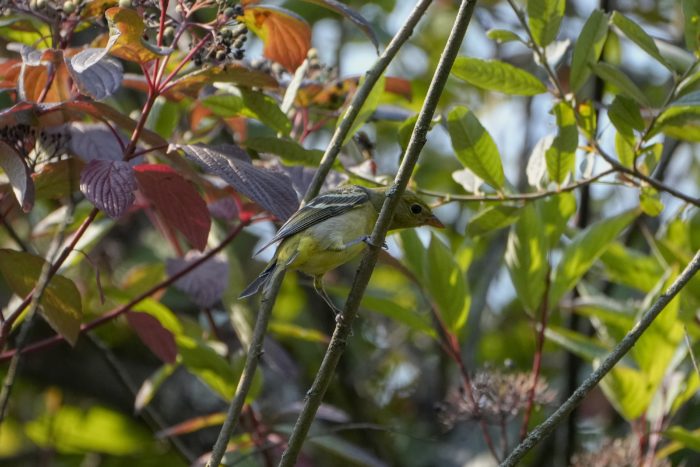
(46, 8)
(35, 146)
(228, 44)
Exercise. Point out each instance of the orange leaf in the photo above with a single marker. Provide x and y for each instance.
(126, 41)
(286, 36)
(41, 69)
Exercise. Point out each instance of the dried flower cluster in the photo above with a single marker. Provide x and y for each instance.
(499, 396)
(618, 452)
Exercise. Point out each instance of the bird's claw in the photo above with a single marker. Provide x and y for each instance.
(368, 240)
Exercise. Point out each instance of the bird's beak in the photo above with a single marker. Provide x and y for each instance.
(434, 222)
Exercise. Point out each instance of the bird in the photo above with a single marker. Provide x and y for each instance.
(331, 230)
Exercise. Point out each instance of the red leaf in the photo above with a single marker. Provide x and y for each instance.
(153, 335)
(177, 201)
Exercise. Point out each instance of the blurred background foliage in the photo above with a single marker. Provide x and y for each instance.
(599, 254)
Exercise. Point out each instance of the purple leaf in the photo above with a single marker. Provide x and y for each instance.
(95, 74)
(18, 173)
(109, 185)
(224, 208)
(206, 283)
(152, 333)
(269, 188)
(94, 141)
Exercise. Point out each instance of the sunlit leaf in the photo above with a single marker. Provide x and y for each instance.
(291, 331)
(249, 104)
(492, 218)
(682, 122)
(126, 30)
(650, 201)
(474, 146)
(176, 200)
(164, 117)
(502, 35)
(561, 156)
(236, 74)
(629, 391)
(689, 439)
(631, 268)
(151, 385)
(526, 258)
(544, 18)
(588, 47)
(286, 36)
(61, 304)
(447, 285)
(499, 76)
(56, 180)
(585, 248)
(94, 74)
(287, 149)
(41, 69)
(202, 361)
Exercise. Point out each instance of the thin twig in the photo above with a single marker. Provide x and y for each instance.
(371, 78)
(344, 321)
(607, 364)
(41, 285)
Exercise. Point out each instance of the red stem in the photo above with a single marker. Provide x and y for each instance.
(537, 359)
(109, 316)
(163, 86)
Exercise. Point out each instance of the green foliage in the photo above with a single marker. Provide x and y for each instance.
(588, 48)
(544, 18)
(495, 75)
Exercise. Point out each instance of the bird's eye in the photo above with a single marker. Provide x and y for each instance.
(416, 208)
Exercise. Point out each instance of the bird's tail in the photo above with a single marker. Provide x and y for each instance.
(260, 282)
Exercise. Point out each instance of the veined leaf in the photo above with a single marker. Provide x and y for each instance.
(588, 48)
(109, 185)
(126, 29)
(499, 76)
(474, 146)
(61, 305)
(544, 18)
(628, 391)
(583, 251)
(680, 122)
(19, 176)
(287, 149)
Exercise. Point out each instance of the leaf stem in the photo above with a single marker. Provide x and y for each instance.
(344, 320)
(606, 365)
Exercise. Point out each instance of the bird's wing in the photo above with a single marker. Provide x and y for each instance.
(325, 206)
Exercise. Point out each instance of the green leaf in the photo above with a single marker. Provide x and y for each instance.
(579, 344)
(625, 114)
(474, 146)
(283, 329)
(413, 252)
(681, 122)
(544, 18)
(628, 391)
(401, 314)
(617, 318)
(495, 75)
(689, 439)
(288, 150)
(691, 15)
(561, 156)
(588, 48)
(625, 150)
(213, 369)
(151, 385)
(631, 268)
(447, 285)
(526, 258)
(620, 81)
(579, 255)
(95, 430)
(493, 218)
(636, 34)
(405, 131)
(656, 348)
(164, 117)
(61, 304)
(368, 108)
(250, 104)
(502, 35)
(555, 212)
(650, 201)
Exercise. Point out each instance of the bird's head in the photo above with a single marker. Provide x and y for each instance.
(413, 212)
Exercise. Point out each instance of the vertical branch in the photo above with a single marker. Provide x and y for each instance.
(369, 260)
(606, 365)
(360, 97)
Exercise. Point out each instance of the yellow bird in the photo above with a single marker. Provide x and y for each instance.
(332, 229)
